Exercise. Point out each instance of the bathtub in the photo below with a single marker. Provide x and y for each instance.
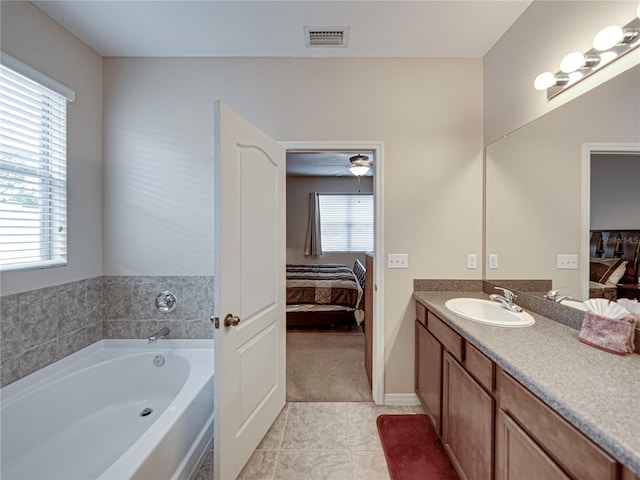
(110, 411)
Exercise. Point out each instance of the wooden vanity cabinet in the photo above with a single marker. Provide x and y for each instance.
(565, 447)
(467, 422)
(459, 408)
(492, 427)
(429, 375)
(518, 456)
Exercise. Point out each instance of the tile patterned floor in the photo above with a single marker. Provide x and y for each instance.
(318, 441)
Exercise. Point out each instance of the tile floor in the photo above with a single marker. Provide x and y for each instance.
(314, 441)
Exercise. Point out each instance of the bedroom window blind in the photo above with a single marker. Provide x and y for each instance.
(33, 172)
(346, 222)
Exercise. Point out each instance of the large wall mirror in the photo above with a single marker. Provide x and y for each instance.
(539, 181)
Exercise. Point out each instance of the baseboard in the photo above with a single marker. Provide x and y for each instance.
(401, 399)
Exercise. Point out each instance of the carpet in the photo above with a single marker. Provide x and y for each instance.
(326, 367)
(412, 449)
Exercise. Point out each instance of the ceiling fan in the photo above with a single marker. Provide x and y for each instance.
(357, 165)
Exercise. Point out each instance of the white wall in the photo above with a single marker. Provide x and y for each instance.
(536, 42)
(35, 39)
(159, 160)
(615, 192)
(298, 189)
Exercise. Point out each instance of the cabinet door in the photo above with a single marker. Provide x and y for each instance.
(429, 374)
(467, 422)
(518, 457)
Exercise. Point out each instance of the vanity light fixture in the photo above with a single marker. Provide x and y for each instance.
(609, 44)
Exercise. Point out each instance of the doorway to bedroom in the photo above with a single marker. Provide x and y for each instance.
(330, 253)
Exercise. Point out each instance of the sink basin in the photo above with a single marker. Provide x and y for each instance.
(488, 312)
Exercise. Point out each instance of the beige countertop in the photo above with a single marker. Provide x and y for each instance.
(597, 392)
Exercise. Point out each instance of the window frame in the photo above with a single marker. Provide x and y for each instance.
(47, 168)
(324, 244)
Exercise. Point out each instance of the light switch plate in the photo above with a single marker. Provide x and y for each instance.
(472, 260)
(398, 260)
(493, 261)
(567, 262)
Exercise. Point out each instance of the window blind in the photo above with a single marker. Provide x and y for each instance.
(33, 154)
(346, 222)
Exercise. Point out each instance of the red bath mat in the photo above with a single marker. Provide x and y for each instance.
(412, 449)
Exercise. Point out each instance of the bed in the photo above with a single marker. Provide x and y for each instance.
(325, 294)
(614, 266)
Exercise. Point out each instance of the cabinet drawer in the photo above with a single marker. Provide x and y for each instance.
(574, 452)
(478, 365)
(421, 313)
(449, 339)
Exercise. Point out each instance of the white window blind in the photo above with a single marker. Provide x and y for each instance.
(33, 176)
(346, 222)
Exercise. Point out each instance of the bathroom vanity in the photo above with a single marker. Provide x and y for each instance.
(525, 403)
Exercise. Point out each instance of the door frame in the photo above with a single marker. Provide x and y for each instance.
(587, 150)
(377, 374)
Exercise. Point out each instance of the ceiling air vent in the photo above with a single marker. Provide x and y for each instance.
(326, 36)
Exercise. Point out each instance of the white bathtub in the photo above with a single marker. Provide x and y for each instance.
(79, 418)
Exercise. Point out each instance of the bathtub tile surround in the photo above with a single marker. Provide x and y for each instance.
(41, 326)
(130, 310)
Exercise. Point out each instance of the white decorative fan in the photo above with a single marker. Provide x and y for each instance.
(630, 304)
(608, 309)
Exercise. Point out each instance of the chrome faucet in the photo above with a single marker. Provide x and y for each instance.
(506, 300)
(553, 296)
(163, 332)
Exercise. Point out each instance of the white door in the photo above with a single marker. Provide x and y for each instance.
(249, 286)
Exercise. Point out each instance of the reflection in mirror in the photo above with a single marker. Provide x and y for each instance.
(614, 262)
(537, 182)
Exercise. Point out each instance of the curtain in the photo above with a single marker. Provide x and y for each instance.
(312, 244)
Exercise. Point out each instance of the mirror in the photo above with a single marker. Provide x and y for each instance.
(537, 184)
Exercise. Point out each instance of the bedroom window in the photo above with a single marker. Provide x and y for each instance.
(346, 222)
(33, 177)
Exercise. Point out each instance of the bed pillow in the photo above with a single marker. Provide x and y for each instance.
(607, 270)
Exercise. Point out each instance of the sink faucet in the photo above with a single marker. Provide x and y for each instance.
(506, 300)
(553, 296)
(163, 332)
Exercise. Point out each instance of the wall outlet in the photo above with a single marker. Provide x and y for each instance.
(493, 261)
(398, 260)
(567, 262)
(472, 260)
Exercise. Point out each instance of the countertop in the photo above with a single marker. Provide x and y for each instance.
(595, 391)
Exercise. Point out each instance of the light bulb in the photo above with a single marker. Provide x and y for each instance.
(574, 77)
(544, 81)
(608, 37)
(359, 170)
(572, 62)
(606, 57)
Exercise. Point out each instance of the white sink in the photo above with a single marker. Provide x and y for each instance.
(488, 312)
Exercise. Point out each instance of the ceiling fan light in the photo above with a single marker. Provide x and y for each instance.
(359, 170)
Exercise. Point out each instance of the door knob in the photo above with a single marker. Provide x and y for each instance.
(231, 320)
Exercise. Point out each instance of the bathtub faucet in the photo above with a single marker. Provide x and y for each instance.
(163, 332)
